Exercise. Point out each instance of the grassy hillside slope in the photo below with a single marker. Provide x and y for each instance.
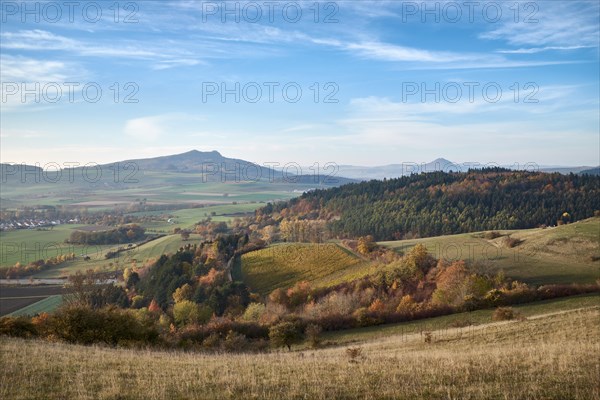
(282, 265)
(445, 326)
(154, 249)
(547, 357)
(563, 254)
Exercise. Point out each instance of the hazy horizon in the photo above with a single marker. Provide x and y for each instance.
(53, 163)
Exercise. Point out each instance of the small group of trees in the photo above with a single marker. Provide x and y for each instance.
(20, 270)
(123, 234)
(366, 245)
(307, 231)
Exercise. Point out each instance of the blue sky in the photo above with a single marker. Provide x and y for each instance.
(503, 82)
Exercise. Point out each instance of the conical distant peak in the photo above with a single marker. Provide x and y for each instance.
(441, 161)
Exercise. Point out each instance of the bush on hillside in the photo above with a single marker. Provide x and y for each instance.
(285, 334)
(504, 314)
(17, 327)
(84, 325)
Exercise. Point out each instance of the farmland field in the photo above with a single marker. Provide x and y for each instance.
(138, 254)
(282, 265)
(551, 356)
(312, 201)
(562, 254)
(186, 218)
(15, 298)
(47, 305)
(26, 245)
(155, 187)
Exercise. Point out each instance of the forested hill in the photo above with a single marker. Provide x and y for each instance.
(442, 203)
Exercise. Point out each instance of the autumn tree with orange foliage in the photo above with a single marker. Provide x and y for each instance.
(452, 284)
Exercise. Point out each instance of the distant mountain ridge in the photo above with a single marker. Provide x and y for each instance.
(217, 167)
(391, 171)
(396, 170)
(191, 161)
(210, 165)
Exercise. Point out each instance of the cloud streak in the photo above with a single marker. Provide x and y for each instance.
(39, 40)
(557, 26)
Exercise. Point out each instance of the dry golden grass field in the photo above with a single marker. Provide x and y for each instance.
(550, 356)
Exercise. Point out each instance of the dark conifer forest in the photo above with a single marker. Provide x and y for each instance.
(442, 203)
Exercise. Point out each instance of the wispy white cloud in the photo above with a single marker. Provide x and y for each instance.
(559, 27)
(154, 127)
(536, 100)
(389, 52)
(408, 130)
(145, 128)
(554, 25)
(268, 39)
(20, 74)
(181, 62)
(166, 55)
(414, 58)
(534, 50)
(26, 69)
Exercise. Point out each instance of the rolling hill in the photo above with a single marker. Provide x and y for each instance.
(441, 203)
(193, 177)
(591, 171)
(282, 265)
(139, 255)
(565, 254)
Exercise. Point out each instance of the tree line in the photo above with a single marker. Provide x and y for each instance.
(123, 234)
(440, 203)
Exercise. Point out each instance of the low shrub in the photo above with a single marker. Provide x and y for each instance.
(220, 328)
(335, 322)
(492, 235)
(212, 342)
(17, 327)
(285, 334)
(553, 291)
(504, 314)
(365, 317)
(313, 334)
(354, 354)
(84, 325)
(512, 242)
(234, 342)
(427, 337)
(518, 294)
(254, 312)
